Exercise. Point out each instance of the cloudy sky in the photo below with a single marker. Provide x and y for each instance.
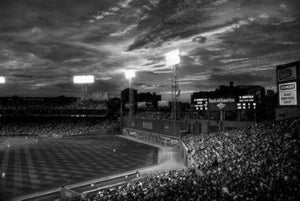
(43, 43)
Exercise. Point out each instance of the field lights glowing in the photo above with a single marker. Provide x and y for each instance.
(129, 74)
(84, 79)
(2, 80)
(173, 57)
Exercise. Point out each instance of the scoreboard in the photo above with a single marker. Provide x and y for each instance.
(246, 102)
(200, 103)
(216, 104)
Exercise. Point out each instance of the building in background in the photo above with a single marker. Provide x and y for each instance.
(148, 101)
(125, 99)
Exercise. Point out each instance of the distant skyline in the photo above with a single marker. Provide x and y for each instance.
(44, 43)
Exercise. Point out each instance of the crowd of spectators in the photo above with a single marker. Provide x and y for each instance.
(50, 106)
(258, 163)
(53, 127)
(153, 115)
(167, 115)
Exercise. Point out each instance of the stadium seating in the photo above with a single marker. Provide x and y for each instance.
(51, 107)
(257, 163)
(53, 127)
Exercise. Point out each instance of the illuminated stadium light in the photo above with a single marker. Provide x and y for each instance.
(173, 60)
(84, 79)
(173, 57)
(129, 74)
(2, 80)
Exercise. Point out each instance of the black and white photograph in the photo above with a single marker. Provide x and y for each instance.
(149, 100)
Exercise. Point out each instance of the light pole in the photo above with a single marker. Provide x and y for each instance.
(84, 80)
(129, 75)
(173, 60)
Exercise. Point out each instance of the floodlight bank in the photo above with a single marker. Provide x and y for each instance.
(2, 80)
(173, 57)
(84, 79)
(129, 74)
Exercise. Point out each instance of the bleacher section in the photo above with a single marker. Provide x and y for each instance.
(59, 106)
(257, 163)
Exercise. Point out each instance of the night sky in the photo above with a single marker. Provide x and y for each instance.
(43, 43)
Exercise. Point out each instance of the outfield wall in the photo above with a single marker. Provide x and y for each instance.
(174, 128)
(198, 126)
(164, 127)
(151, 137)
(287, 112)
(166, 140)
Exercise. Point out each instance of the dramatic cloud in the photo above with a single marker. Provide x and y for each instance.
(239, 78)
(44, 43)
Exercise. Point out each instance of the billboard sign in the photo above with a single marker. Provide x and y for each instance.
(147, 125)
(216, 104)
(221, 100)
(221, 106)
(287, 94)
(286, 74)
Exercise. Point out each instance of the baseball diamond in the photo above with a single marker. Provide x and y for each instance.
(45, 163)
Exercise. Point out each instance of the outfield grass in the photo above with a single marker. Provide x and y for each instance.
(47, 163)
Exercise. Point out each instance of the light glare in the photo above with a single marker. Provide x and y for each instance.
(173, 57)
(2, 80)
(129, 74)
(84, 79)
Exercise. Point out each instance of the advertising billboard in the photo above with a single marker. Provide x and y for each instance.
(286, 74)
(147, 125)
(287, 94)
(216, 104)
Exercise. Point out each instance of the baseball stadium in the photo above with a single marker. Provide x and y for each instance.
(157, 100)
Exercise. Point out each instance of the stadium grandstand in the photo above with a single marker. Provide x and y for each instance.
(256, 163)
(57, 106)
(158, 100)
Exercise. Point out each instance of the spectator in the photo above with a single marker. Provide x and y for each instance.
(258, 163)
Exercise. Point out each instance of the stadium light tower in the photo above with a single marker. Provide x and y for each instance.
(84, 80)
(173, 60)
(129, 75)
(2, 80)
